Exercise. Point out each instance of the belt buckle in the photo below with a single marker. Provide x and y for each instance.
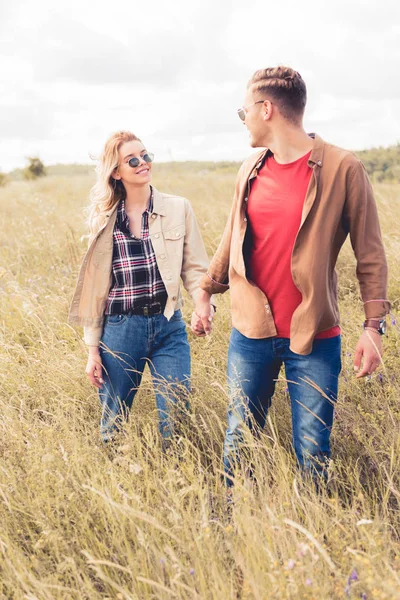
(146, 311)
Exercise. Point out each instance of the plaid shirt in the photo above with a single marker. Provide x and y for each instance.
(136, 280)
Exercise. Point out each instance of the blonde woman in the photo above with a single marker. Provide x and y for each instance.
(142, 243)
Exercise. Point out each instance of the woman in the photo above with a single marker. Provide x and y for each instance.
(128, 297)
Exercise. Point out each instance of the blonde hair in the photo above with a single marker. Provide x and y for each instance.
(107, 191)
(285, 86)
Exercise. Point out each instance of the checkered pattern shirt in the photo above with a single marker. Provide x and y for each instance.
(136, 280)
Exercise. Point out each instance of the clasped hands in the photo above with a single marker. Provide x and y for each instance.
(202, 315)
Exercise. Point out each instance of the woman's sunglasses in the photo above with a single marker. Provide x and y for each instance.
(135, 162)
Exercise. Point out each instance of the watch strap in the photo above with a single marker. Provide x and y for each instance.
(378, 325)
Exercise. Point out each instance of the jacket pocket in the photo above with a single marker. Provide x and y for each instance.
(173, 240)
(176, 233)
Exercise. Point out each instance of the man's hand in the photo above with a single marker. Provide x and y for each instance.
(203, 315)
(368, 350)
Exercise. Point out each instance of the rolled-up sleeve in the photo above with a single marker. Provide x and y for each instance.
(365, 235)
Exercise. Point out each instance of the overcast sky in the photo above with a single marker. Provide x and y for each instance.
(174, 72)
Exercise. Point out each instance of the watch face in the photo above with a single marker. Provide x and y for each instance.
(382, 326)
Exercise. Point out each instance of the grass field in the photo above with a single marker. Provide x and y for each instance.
(79, 521)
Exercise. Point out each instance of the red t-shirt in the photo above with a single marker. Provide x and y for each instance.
(275, 206)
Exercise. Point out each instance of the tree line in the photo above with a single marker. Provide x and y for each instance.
(382, 165)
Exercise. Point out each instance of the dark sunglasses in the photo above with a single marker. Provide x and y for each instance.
(135, 162)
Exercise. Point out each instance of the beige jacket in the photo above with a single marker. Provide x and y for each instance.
(339, 201)
(180, 254)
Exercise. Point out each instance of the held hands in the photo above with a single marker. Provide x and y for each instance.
(203, 315)
(94, 367)
(368, 350)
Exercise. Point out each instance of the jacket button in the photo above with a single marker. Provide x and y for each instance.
(177, 234)
(173, 297)
(245, 199)
(168, 277)
(153, 216)
(245, 219)
(162, 256)
(157, 236)
(319, 163)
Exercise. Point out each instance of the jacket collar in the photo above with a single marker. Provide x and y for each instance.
(158, 203)
(316, 156)
(317, 153)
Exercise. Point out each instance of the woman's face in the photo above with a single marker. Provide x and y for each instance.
(133, 175)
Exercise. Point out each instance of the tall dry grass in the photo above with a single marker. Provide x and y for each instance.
(82, 521)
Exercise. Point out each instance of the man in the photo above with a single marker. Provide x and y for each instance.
(294, 205)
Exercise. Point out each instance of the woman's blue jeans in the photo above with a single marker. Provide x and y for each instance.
(129, 342)
(312, 380)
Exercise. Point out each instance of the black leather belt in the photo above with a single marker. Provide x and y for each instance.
(147, 311)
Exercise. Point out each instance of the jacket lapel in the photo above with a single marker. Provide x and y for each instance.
(315, 162)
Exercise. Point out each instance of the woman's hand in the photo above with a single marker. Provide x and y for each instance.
(94, 367)
(203, 315)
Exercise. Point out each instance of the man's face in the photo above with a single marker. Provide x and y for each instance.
(253, 118)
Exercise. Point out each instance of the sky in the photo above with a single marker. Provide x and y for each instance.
(175, 72)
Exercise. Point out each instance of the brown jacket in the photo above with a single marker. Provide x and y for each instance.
(339, 201)
(180, 254)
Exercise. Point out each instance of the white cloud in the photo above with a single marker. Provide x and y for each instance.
(176, 72)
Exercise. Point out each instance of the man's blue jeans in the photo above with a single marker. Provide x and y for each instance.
(129, 342)
(253, 367)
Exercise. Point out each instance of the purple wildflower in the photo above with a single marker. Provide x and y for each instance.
(353, 576)
(191, 571)
(308, 582)
(363, 596)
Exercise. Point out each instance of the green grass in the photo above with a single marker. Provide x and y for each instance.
(80, 521)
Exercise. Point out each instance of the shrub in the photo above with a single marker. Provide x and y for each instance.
(35, 168)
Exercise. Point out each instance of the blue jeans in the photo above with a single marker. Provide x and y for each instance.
(129, 342)
(253, 367)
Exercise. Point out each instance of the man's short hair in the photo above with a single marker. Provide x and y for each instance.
(285, 87)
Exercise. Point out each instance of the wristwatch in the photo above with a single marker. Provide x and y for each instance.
(378, 324)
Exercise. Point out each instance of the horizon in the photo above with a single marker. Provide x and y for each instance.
(94, 161)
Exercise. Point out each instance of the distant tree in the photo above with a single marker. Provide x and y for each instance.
(382, 164)
(35, 168)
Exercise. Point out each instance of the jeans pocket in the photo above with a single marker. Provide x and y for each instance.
(115, 319)
(177, 316)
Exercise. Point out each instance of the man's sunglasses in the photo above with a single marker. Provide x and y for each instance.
(135, 162)
(242, 112)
